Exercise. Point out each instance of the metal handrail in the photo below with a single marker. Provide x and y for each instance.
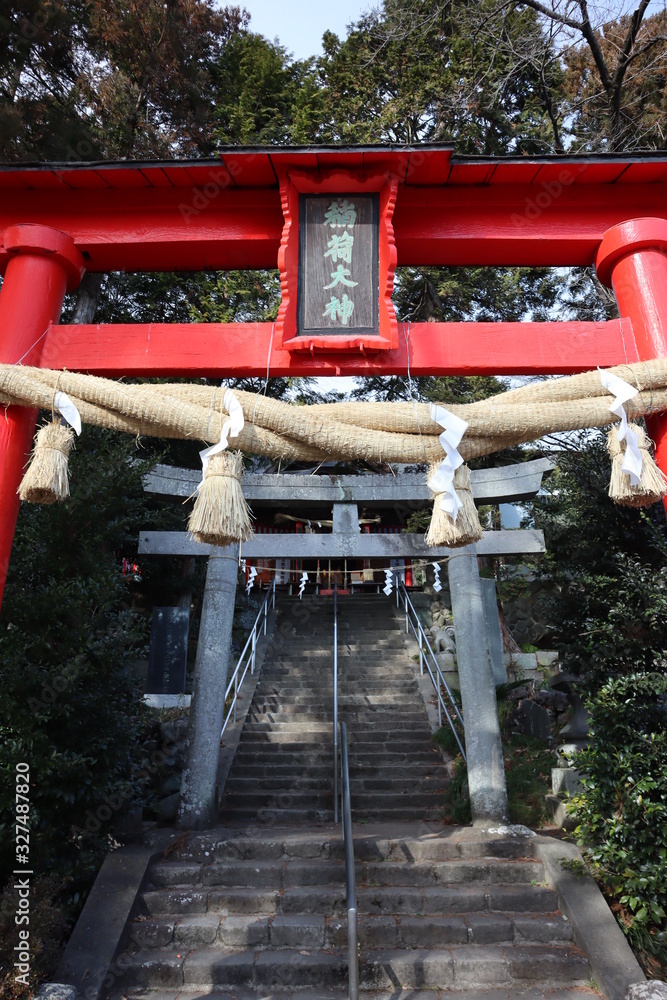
(412, 621)
(335, 698)
(350, 889)
(250, 649)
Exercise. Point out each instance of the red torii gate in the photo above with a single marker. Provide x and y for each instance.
(58, 221)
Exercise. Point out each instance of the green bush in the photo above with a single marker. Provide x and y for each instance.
(606, 566)
(622, 809)
(69, 702)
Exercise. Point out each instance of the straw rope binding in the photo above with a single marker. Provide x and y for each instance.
(378, 432)
(220, 515)
(467, 529)
(652, 485)
(46, 479)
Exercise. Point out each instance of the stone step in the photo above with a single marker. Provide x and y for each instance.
(358, 749)
(297, 781)
(272, 815)
(317, 755)
(293, 713)
(322, 678)
(365, 729)
(276, 694)
(279, 754)
(363, 801)
(356, 676)
(293, 741)
(321, 640)
(322, 692)
(295, 872)
(384, 659)
(365, 719)
(247, 769)
(389, 653)
(341, 993)
(457, 967)
(450, 844)
(312, 930)
(371, 900)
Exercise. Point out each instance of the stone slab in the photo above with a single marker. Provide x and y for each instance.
(97, 934)
(613, 963)
(509, 483)
(495, 638)
(353, 546)
(167, 700)
(565, 781)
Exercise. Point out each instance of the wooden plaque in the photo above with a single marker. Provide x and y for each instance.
(337, 259)
(338, 265)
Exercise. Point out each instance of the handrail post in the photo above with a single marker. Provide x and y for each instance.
(335, 699)
(249, 657)
(421, 652)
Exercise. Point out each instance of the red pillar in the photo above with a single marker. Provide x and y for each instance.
(41, 264)
(632, 259)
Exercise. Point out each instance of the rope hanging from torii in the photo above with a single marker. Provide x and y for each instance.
(378, 432)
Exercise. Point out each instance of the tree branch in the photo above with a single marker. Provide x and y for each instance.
(552, 14)
(558, 145)
(645, 48)
(622, 65)
(594, 45)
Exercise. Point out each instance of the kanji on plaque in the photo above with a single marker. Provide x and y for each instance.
(341, 277)
(338, 264)
(340, 248)
(340, 213)
(342, 309)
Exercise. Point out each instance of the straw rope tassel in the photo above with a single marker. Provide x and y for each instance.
(467, 529)
(652, 485)
(220, 515)
(46, 479)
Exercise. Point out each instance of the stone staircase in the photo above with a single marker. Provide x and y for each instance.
(263, 914)
(256, 908)
(283, 768)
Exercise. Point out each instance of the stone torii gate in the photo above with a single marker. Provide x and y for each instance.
(486, 777)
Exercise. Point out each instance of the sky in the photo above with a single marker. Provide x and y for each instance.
(299, 26)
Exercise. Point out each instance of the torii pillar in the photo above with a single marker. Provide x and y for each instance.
(632, 259)
(41, 265)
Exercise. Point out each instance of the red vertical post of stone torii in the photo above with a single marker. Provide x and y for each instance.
(254, 208)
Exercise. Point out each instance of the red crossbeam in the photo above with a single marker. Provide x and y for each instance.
(502, 225)
(242, 349)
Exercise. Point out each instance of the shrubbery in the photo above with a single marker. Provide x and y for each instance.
(622, 809)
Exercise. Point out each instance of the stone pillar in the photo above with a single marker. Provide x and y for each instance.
(486, 769)
(632, 259)
(40, 265)
(198, 784)
(346, 519)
